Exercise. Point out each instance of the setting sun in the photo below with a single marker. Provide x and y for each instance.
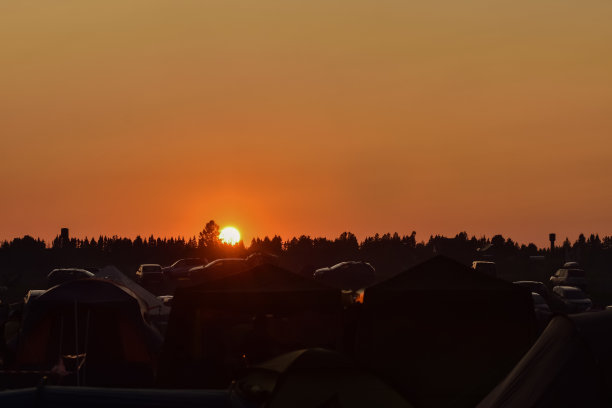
(229, 235)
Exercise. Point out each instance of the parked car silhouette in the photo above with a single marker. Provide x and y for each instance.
(541, 310)
(218, 268)
(555, 303)
(569, 277)
(180, 269)
(149, 273)
(571, 265)
(539, 304)
(576, 298)
(348, 275)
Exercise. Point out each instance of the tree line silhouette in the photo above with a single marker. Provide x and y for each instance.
(388, 253)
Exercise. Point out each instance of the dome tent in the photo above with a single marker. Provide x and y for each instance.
(245, 318)
(569, 366)
(314, 378)
(444, 334)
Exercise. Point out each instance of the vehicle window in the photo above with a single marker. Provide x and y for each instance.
(151, 268)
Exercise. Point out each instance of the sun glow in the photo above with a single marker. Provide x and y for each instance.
(229, 235)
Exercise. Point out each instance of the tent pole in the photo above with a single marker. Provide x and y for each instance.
(61, 336)
(76, 341)
(86, 343)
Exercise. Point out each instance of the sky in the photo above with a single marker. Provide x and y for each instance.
(306, 117)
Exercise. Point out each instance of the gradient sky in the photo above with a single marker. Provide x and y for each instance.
(306, 117)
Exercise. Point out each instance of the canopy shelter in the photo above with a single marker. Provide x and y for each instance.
(221, 326)
(89, 331)
(444, 334)
(569, 366)
(316, 378)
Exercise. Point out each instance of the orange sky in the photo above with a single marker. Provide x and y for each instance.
(306, 117)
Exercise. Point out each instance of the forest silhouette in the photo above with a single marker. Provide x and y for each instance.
(26, 260)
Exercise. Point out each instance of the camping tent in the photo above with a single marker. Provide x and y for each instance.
(157, 311)
(219, 327)
(569, 366)
(93, 324)
(444, 334)
(315, 378)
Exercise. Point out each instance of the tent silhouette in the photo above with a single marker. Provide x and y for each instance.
(93, 323)
(444, 334)
(316, 378)
(569, 366)
(219, 327)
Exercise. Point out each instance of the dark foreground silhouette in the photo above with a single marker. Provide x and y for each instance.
(438, 334)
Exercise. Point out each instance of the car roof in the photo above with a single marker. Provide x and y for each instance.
(569, 288)
(350, 263)
(59, 271)
(150, 265)
(221, 260)
(527, 282)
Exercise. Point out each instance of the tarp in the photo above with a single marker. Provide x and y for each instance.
(569, 366)
(154, 305)
(444, 334)
(315, 378)
(219, 327)
(97, 320)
